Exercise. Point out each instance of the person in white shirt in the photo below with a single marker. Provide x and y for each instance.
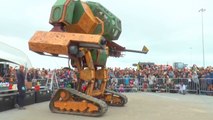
(182, 89)
(196, 81)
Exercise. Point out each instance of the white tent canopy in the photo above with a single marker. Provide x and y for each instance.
(13, 55)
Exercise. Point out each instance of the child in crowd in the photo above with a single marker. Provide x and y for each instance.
(121, 88)
(182, 89)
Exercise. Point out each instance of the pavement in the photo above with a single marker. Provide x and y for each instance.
(140, 106)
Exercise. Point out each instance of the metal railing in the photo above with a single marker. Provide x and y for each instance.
(172, 85)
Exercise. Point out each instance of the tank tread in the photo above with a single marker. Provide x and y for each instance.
(101, 104)
(123, 97)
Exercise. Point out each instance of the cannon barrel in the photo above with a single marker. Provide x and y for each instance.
(145, 50)
(136, 51)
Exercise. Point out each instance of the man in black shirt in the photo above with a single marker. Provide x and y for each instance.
(20, 76)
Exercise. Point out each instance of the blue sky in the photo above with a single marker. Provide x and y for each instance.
(171, 29)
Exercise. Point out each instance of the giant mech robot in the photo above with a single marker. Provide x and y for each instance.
(84, 32)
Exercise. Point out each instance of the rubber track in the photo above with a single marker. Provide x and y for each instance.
(102, 105)
(124, 98)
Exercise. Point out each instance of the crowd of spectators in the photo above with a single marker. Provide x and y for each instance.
(160, 77)
(66, 77)
(154, 77)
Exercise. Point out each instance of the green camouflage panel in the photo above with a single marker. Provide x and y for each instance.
(112, 24)
(99, 57)
(58, 11)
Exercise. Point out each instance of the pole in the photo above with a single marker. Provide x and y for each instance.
(191, 56)
(202, 10)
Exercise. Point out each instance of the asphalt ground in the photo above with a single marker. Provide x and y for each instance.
(141, 106)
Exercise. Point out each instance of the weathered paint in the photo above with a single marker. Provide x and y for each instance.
(57, 11)
(78, 12)
(62, 12)
(58, 42)
(112, 24)
(102, 57)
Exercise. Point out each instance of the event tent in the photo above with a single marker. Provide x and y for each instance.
(13, 55)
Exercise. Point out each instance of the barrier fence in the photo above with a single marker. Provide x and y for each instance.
(172, 85)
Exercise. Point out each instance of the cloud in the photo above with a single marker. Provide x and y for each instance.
(168, 28)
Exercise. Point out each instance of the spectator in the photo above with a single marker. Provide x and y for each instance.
(151, 79)
(136, 83)
(127, 79)
(182, 89)
(30, 75)
(196, 81)
(20, 76)
(121, 88)
(210, 80)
